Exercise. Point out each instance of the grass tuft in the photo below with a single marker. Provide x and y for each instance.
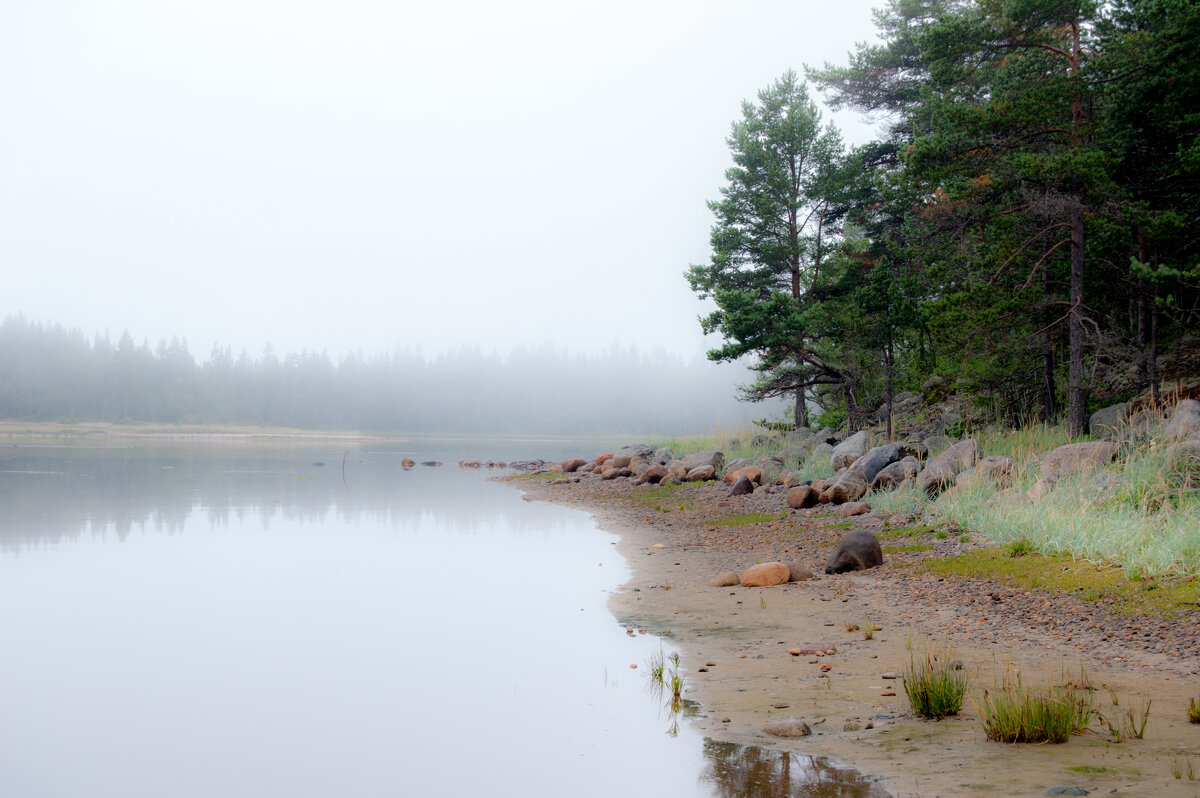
(1193, 711)
(935, 686)
(1013, 713)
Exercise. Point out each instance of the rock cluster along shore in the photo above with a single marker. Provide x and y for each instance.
(938, 464)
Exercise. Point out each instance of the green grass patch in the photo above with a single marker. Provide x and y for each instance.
(664, 498)
(912, 532)
(1193, 710)
(1086, 580)
(1013, 712)
(1091, 769)
(745, 519)
(841, 525)
(936, 685)
(902, 549)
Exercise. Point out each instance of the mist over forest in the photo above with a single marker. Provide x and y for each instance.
(52, 373)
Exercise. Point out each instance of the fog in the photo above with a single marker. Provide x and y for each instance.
(357, 177)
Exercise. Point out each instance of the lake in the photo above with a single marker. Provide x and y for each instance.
(299, 620)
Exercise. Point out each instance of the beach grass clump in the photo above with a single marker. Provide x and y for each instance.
(814, 467)
(1141, 512)
(868, 629)
(935, 685)
(1013, 712)
(1193, 710)
(656, 666)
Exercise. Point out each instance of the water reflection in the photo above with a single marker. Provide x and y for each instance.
(747, 771)
(51, 494)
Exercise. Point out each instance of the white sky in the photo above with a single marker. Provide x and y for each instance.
(346, 175)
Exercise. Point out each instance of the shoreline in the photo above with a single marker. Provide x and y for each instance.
(746, 633)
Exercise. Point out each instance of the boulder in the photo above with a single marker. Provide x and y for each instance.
(1074, 457)
(736, 463)
(858, 551)
(914, 449)
(799, 572)
(1107, 422)
(714, 460)
(614, 473)
(750, 472)
(600, 458)
(701, 474)
(676, 471)
(766, 574)
(639, 467)
(742, 487)
(762, 490)
(469, 464)
(654, 474)
(801, 497)
(935, 444)
(822, 450)
(850, 486)
(997, 469)
(853, 483)
(571, 466)
(786, 479)
(1184, 421)
(939, 473)
(636, 450)
(896, 474)
(619, 461)
(661, 456)
(727, 579)
(849, 450)
(853, 508)
(407, 462)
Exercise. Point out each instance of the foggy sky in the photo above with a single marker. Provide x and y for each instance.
(359, 175)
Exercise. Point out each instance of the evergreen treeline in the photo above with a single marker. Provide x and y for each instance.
(51, 373)
(1027, 226)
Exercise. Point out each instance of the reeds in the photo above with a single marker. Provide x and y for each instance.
(936, 685)
(1014, 713)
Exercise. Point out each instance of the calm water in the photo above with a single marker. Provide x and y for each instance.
(201, 621)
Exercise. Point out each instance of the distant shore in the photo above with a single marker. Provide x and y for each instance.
(734, 644)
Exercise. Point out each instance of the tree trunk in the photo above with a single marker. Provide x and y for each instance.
(801, 414)
(1076, 394)
(1049, 401)
(891, 384)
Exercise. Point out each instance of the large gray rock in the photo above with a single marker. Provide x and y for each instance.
(803, 496)
(1108, 422)
(738, 462)
(858, 551)
(714, 459)
(941, 472)
(896, 474)
(849, 450)
(661, 456)
(1184, 421)
(822, 450)
(1069, 459)
(636, 450)
(853, 483)
(996, 469)
(701, 473)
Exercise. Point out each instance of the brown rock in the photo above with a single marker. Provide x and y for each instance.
(621, 461)
(600, 458)
(752, 473)
(407, 462)
(801, 497)
(571, 466)
(858, 551)
(701, 474)
(742, 487)
(765, 574)
(853, 508)
(727, 579)
(788, 728)
(655, 474)
(798, 572)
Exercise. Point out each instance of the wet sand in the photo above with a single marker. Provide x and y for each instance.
(745, 634)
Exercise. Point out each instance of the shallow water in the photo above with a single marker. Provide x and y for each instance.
(241, 621)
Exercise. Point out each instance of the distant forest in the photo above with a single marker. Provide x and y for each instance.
(51, 373)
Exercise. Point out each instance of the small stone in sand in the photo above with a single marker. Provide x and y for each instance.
(634, 665)
(888, 692)
(788, 728)
(710, 664)
(780, 705)
(725, 720)
(826, 667)
(887, 676)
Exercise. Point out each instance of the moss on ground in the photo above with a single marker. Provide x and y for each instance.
(1085, 580)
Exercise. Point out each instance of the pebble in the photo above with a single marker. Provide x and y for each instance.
(780, 705)
(887, 676)
(888, 692)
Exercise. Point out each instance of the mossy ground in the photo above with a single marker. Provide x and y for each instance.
(1085, 580)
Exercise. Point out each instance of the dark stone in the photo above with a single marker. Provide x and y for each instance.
(858, 551)
(1064, 789)
(742, 487)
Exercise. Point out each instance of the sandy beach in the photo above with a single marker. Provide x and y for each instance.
(734, 643)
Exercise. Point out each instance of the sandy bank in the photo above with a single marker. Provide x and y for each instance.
(746, 633)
